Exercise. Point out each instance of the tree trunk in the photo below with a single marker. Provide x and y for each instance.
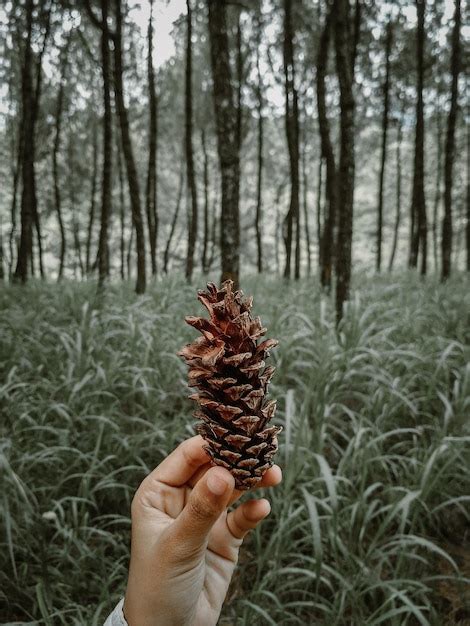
(437, 194)
(27, 165)
(260, 150)
(398, 190)
(292, 220)
(13, 243)
(205, 242)
(166, 256)
(447, 227)
(132, 177)
(327, 153)
(55, 158)
(418, 203)
(305, 198)
(344, 67)
(467, 226)
(122, 215)
(386, 93)
(151, 188)
(188, 110)
(229, 156)
(320, 237)
(78, 260)
(103, 244)
(91, 217)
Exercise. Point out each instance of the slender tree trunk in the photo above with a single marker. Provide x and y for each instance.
(205, 241)
(229, 155)
(437, 194)
(305, 200)
(132, 177)
(467, 226)
(188, 109)
(292, 220)
(122, 215)
(12, 243)
(2, 255)
(260, 151)
(327, 154)
(385, 116)
(239, 64)
(91, 216)
(398, 190)
(320, 231)
(103, 244)
(55, 159)
(78, 260)
(27, 161)
(418, 203)
(344, 67)
(151, 188)
(174, 221)
(447, 226)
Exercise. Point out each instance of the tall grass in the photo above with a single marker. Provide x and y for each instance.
(373, 516)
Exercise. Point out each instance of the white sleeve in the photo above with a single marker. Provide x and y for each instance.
(117, 616)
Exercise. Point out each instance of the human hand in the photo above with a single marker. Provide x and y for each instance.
(184, 541)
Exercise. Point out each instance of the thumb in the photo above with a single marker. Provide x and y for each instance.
(207, 501)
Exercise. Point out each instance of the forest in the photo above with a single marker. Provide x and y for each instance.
(317, 154)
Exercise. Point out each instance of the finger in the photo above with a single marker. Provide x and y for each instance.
(247, 516)
(182, 463)
(207, 501)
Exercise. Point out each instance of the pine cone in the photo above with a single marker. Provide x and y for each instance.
(227, 366)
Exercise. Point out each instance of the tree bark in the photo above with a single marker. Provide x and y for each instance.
(305, 203)
(205, 241)
(383, 158)
(292, 219)
(91, 216)
(132, 177)
(447, 226)
(467, 226)
(14, 200)
(398, 190)
(320, 238)
(166, 256)
(188, 111)
(418, 203)
(122, 214)
(346, 169)
(227, 142)
(78, 260)
(327, 154)
(437, 193)
(103, 244)
(55, 158)
(151, 187)
(260, 154)
(27, 161)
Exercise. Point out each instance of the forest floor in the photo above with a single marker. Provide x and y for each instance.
(371, 524)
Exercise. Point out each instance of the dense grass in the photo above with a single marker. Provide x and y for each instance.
(371, 524)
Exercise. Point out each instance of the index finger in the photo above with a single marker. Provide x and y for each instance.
(182, 463)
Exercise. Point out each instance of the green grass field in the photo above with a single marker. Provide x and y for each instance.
(372, 522)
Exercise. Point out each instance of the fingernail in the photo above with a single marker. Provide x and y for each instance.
(216, 484)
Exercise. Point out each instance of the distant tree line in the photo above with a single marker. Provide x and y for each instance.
(89, 137)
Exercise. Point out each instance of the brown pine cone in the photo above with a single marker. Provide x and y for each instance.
(227, 366)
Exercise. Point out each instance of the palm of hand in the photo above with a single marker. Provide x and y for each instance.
(185, 540)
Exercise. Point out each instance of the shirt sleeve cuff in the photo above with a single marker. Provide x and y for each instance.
(117, 616)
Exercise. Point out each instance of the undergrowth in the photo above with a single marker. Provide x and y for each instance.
(371, 523)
